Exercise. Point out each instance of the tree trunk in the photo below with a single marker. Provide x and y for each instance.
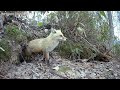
(111, 30)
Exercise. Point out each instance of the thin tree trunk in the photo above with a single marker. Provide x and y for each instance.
(111, 30)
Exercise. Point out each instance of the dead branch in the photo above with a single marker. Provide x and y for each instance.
(91, 45)
(108, 51)
(99, 56)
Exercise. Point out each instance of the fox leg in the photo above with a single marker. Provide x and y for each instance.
(46, 57)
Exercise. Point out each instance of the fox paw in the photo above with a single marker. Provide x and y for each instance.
(46, 62)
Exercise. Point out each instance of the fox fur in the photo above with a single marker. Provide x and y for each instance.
(44, 45)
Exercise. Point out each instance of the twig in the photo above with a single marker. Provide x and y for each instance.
(91, 44)
(107, 51)
(35, 72)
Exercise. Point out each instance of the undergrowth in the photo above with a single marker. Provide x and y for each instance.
(13, 33)
(12, 37)
(4, 55)
(74, 51)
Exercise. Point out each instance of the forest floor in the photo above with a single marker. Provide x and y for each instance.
(61, 69)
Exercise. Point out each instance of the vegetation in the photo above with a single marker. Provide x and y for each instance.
(13, 33)
(12, 38)
(88, 33)
(81, 24)
(4, 43)
(91, 35)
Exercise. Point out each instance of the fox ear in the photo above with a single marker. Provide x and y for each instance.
(53, 30)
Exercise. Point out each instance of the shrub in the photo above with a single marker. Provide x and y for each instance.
(5, 55)
(117, 49)
(13, 33)
(70, 50)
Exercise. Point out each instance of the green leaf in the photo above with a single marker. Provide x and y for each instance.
(40, 24)
(103, 13)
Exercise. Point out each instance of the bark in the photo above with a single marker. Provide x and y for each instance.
(111, 29)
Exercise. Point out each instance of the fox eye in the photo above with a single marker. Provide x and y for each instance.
(60, 35)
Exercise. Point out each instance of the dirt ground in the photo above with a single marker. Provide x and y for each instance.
(61, 69)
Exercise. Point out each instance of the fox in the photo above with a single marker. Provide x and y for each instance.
(44, 45)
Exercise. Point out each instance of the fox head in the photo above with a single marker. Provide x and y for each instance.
(57, 35)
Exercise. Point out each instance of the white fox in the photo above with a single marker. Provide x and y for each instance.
(45, 45)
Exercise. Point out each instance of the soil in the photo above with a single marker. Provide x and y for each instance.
(61, 69)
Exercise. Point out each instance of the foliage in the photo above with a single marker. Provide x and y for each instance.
(104, 32)
(4, 55)
(40, 24)
(68, 50)
(103, 13)
(13, 36)
(91, 25)
(117, 49)
(13, 33)
(73, 25)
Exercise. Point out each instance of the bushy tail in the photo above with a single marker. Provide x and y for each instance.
(22, 53)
